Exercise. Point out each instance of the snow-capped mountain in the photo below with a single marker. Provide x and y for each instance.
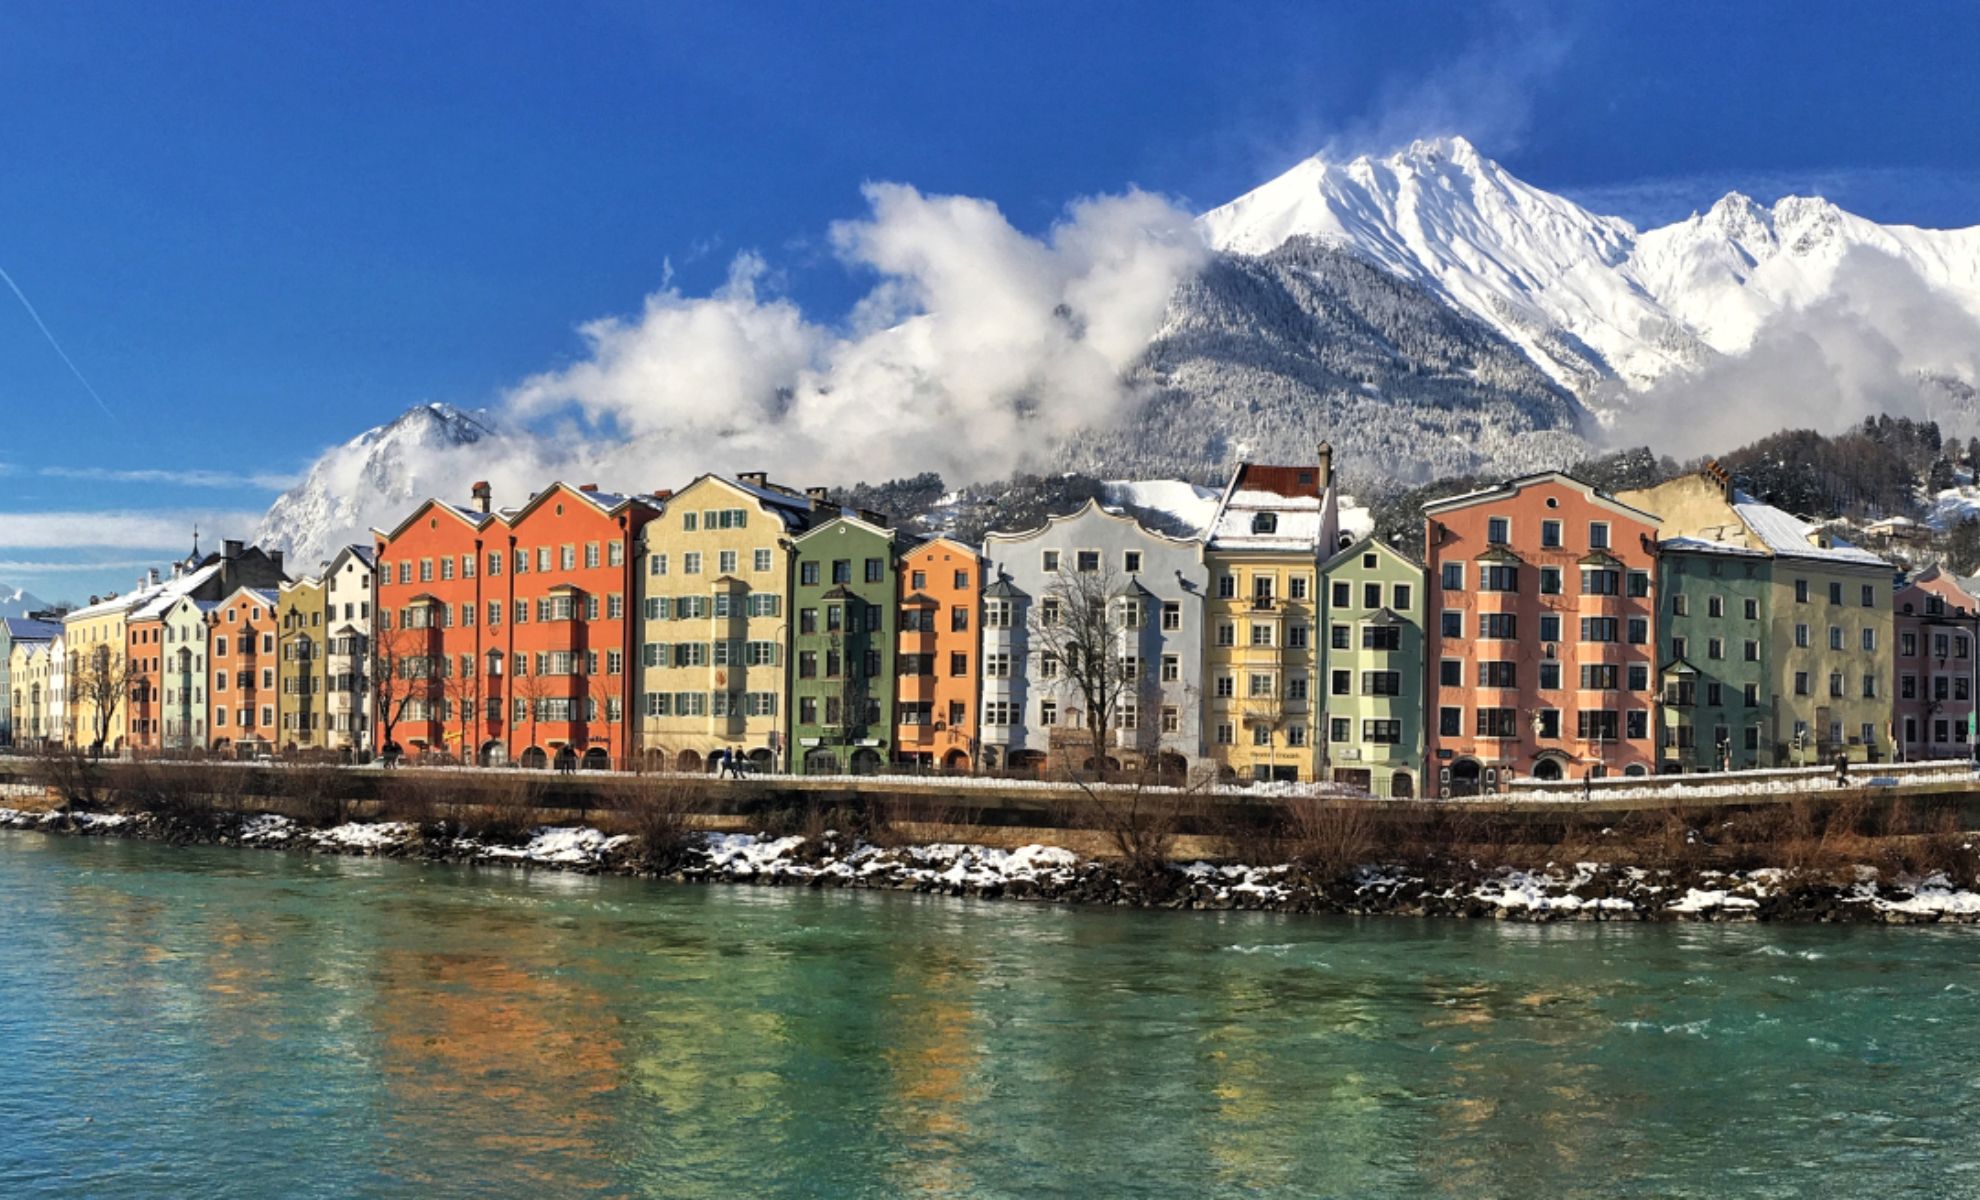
(1588, 297)
(19, 602)
(376, 478)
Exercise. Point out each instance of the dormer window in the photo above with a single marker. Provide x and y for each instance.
(1265, 523)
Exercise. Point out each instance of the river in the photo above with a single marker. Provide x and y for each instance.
(228, 1023)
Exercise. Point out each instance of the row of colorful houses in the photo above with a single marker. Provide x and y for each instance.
(1546, 629)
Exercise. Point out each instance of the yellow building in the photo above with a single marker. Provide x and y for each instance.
(714, 623)
(301, 661)
(97, 699)
(1261, 627)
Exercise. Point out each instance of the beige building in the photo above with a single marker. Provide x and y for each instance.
(715, 575)
(347, 593)
(29, 669)
(302, 654)
(1273, 527)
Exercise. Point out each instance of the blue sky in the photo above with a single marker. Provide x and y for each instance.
(258, 229)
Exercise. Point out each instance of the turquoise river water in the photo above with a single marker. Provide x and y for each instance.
(222, 1023)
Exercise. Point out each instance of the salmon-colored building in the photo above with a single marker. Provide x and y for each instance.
(241, 686)
(508, 636)
(1542, 638)
(144, 656)
(941, 597)
(1938, 634)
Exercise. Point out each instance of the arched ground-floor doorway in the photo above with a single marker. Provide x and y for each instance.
(1402, 786)
(1467, 777)
(762, 760)
(596, 759)
(494, 754)
(955, 760)
(1548, 768)
(866, 761)
(534, 759)
(689, 762)
(819, 760)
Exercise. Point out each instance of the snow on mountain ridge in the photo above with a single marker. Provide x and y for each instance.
(19, 602)
(1588, 297)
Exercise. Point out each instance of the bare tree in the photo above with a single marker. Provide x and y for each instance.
(462, 689)
(401, 672)
(1077, 629)
(533, 688)
(102, 682)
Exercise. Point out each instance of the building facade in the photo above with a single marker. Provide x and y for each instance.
(241, 684)
(1273, 527)
(843, 647)
(347, 599)
(1825, 614)
(16, 632)
(1936, 620)
(1153, 588)
(184, 716)
(29, 660)
(1542, 607)
(939, 656)
(1714, 657)
(304, 655)
(1372, 666)
(714, 578)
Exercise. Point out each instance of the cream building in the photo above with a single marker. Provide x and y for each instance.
(347, 589)
(715, 577)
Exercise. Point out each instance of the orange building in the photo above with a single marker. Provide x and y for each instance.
(941, 595)
(241, 686)
(507, 636)
(144, 657)
(1542, 636)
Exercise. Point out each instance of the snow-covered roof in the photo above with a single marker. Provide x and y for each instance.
(171, 590)
(1295, 499)
(1700, 545)
(1789, 536)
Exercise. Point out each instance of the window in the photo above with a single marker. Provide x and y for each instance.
(1801, 683)
(1639, 631)
(1343, 594)
(1639, 583)
(1343, 683)
(1260, 686)
(1835, 592)
(1386, 732)
(1801, 591)
(1050, 561)
(1836, 639)
(1226, 634)
(1550, 534)
(1550, 581)
(1498, 531)
(1261, 633)
(1503, 626)
(1453, 579)
(1171, 615)
(1598, 535)
(1600, 581)
(808, 573)
(1337, 729)
(1715, 647)
(1680, 647)
(1296, 586)
(842, 570)
(1598, 629)
(1680, 604)
(590, 555)
(1225, 689)
(1550, 677)
(1498, 674)
(725, 562)
(876, 570)
(1751, 608)
(1715, 606)
(1452, 624)
(1450, 722)
(691, 563)
(1801, 636)
(1226, 734)
(1131, 562)
(1087, 562)
(1869, 596)
(1386, 638)
(997, 666)
(1497, 577)
(1371, 595)
(1751, 650)
(1381, 683)
(1596, 725)
(1497, 723)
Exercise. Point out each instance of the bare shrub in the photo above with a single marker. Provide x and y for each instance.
(414, 798)
(1331, 837)
(77, 782)
(659, 813)
(320, 794)
(504, 811)
(182, 798)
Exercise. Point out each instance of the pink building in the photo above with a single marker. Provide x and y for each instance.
(1938, 629)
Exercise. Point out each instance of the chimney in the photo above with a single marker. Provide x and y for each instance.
(754, 478)
(663, 494)
(96, 600)
(230, 549)
(873, 518)
(151, 577)
(1721, 477)
(1326, 460)
(820, 497)
(482, 494)
(275, 557)
(587, 487)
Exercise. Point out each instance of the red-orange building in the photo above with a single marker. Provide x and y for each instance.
(144, 656)
(507, 636)
(1542, 634)
(241, 685)
(939, 681)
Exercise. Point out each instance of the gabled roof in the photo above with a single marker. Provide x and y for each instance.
(1296, 498)
(1698, 545)
(845, 518)
(1512, 487)
(792, 507)
(1788, 536)
(917, 600)
(926, 544)
(1094, 507)
(1364, 545)
(472, 518)
(606, 503)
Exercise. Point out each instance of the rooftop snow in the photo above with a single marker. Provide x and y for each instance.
(1788, 535)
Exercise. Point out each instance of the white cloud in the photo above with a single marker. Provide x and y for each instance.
(170, 531)
(200, 479)
(978, 346)
(1865, 349)
(11, 567)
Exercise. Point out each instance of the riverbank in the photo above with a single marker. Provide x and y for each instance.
(1578, 891)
